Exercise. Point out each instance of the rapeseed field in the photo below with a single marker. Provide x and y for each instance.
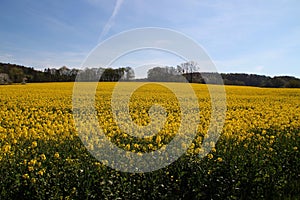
(256, 157)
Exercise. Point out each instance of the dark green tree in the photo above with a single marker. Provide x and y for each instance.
(16, 75)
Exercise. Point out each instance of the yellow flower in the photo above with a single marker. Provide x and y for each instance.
(150, 146)
(183, 145)
(158, 139)
(73, 190)
(105, 162)
(43, 157)
(127, 147)
(32, 162)
(139, 154)
(197, 151)
(30, 168)
(41, 172)
(34, 144)
(6, 148)
(25, 176)
(219, 159)
(56, 155)
(33, 180)
(210, 156)
(192, 146)
(271, 149)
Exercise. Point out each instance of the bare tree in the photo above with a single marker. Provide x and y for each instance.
(189, 67)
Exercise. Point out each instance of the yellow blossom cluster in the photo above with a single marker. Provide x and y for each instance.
(43, 112)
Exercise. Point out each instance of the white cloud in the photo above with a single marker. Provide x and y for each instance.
(111, 20)
(46, 59)
(259, 68)
(6, 58)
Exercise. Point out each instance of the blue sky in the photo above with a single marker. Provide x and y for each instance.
(250, 36)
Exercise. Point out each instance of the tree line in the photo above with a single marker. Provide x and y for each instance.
(22, 74)
(189, 72)
(185, 72)
(248, 80)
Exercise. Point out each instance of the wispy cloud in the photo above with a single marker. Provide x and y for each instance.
(266, 61)
(6, 57)
(45, 59)
(111, 20)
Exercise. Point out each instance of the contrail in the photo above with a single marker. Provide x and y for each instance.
(110, 21)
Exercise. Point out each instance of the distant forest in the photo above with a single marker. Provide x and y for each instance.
(12, 73)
